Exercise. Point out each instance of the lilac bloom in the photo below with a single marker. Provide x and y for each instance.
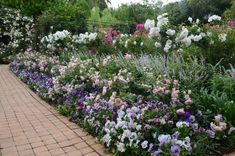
(175, 150)
(150, 147)
(158, 152)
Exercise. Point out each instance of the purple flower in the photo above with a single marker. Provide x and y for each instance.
(164, 139)
(175, 135)
(175, 150)
(210, 133)
(187, 116)
(157, 152)
(150, 147)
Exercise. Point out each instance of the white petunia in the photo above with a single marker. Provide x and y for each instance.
(121, 147)
(144, 144)
(182, 124)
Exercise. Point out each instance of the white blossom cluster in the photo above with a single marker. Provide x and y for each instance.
(168, 39)
(52, 40)
(214, 18)
(127, 123)
(85, 38)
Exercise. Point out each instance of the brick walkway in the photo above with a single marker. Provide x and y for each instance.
(29, 126)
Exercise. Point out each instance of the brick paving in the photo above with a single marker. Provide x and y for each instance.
(31, 127)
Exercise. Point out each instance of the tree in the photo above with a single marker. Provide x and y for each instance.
(178, 11)
(102, 4)
(28, 7)
(107, 18)
(204, 8)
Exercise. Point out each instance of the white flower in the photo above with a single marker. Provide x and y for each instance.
(181, 124)
(104, 91)
(149, 24)
(197, 21)
(214, 18)
(107, 139)
(190, 19)
(121, 147)
(162, 20)
(196, 38)
(144, 144)
(183, 35)
(164, 139)
(187, 41)
(157, 44)
(170, 32)
(154, 32)
(168, 45)
(222, 37)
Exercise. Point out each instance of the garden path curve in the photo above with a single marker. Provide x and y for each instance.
(29, 126)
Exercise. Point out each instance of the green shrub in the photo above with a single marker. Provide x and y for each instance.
(28, 7)
(63, 16)
(224, 84)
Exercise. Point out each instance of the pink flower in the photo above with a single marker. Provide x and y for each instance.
(186, 97)
(97, 98)
(223, 125)
(158, 90)
(218, 118)
(189, 102)
(139, 27)
(180, 112)
(231, 23)
(104, 91)
(97, 81)
(214, 127)
(118, 102)
(215, 26)
(175, 93)
(128, 57)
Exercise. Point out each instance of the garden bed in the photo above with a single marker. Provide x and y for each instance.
(131, 110)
